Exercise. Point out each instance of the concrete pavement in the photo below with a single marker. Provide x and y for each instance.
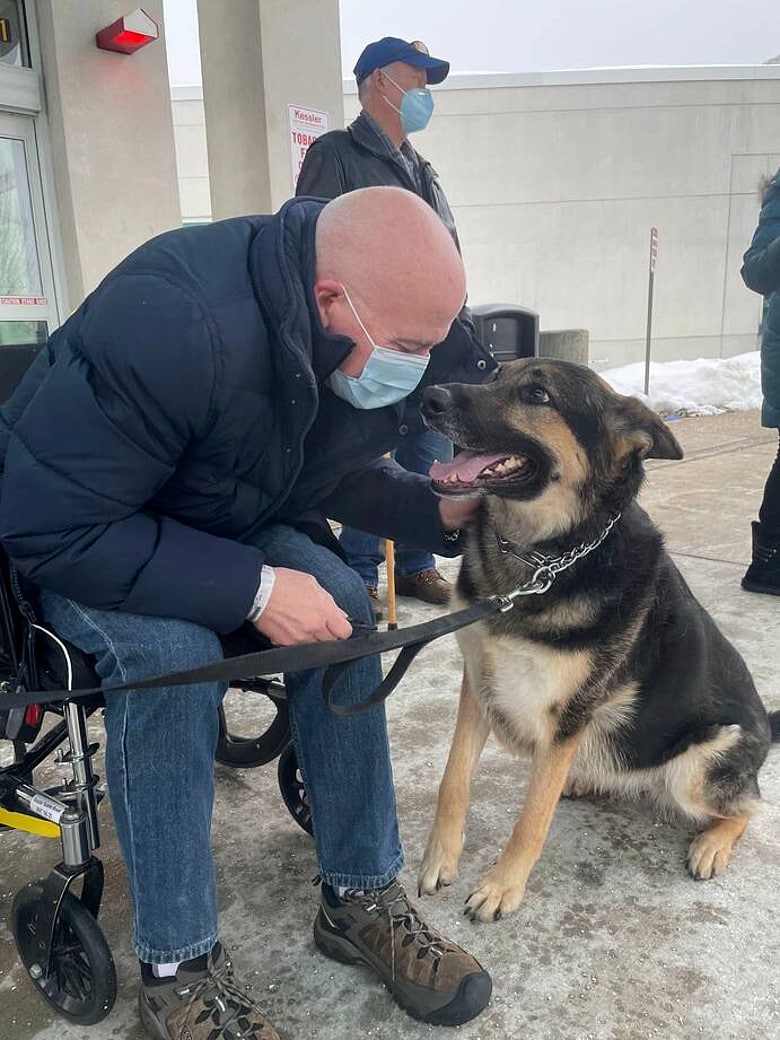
(613, 942)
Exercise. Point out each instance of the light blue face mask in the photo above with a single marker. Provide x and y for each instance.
(416, 107)
(388, 375)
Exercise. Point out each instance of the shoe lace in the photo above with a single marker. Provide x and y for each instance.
(394, 902)
(227, 996)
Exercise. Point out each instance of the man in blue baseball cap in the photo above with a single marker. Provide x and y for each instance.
(392, 77)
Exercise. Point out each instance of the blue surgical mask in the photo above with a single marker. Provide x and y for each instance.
(388, 376)
(416, 107)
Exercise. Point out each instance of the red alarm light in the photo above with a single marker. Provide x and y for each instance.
(129, 33)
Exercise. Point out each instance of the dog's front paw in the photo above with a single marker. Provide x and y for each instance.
(440, 864)
(497, 896)
(708, 855)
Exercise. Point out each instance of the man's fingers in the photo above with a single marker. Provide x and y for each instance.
(338, 626)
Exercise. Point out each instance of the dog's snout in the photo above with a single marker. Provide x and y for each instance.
(436, 400)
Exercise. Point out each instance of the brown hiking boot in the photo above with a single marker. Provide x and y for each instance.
(430, 977)
(203, 1001)
(427, 585)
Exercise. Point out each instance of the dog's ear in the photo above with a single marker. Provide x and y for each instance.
(638, 429)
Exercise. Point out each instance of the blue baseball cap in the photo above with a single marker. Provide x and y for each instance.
(390, 49)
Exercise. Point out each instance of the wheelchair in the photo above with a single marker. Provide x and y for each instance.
(54, 920)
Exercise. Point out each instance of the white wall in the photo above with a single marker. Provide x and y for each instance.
(192, 162)
(556, 180)
(111, 135)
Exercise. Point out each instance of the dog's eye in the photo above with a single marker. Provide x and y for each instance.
(535, 395)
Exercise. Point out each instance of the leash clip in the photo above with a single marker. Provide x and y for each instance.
(543, 578)
(541, 581)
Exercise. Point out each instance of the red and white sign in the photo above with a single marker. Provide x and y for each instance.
(23, 301)
(306, 125)
(653, 247)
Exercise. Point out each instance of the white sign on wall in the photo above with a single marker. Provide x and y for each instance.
(306, 125)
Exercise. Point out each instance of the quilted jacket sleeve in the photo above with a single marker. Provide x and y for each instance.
(101, 436)
(387, 500)
(761, 265)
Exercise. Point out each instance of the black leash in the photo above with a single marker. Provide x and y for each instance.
(335, 655)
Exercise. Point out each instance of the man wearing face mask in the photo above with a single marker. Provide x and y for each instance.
(170, 459)
(393, 78)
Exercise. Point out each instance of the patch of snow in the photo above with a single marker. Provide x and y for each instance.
(706, 386)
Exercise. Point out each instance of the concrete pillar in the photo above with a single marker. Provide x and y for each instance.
(565, 345)
(111, 132)
(258, 57)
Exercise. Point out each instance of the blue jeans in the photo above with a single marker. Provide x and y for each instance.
(160, 757)
(365, 552)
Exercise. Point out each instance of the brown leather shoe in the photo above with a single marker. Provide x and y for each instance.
(376, 606)
(201, 1001)
(427, 585)
(432, 978)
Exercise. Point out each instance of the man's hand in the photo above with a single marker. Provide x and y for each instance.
(456, 512)
(301, 611)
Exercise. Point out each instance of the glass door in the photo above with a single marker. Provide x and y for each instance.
(28, 310)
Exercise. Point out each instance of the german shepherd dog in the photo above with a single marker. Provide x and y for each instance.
(614, 679)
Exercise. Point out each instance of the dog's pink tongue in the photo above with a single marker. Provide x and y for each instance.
(468, 465)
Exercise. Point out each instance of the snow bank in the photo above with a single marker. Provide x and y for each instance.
(706, 386)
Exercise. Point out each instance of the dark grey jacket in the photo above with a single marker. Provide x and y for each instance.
(359, 157)
(761, 272)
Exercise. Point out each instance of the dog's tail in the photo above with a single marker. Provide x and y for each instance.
(774, 726)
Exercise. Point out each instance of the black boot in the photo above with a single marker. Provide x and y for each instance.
(763, 574)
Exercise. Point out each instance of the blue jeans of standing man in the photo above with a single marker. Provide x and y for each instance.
(365, 552)
(160, 757)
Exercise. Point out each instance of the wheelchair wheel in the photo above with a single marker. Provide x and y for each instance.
(293, 789)
(248, 752)
(82, 981)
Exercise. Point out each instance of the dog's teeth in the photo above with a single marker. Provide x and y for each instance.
(487, 472)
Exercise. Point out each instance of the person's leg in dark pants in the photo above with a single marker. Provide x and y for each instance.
(763, 574)
(365, 552)
(415, 569)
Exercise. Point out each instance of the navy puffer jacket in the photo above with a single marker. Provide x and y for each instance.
(180, 409)
(761, 272)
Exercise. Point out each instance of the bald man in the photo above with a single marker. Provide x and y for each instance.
(170, 459)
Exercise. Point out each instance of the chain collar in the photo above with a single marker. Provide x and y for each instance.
(546, 568)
